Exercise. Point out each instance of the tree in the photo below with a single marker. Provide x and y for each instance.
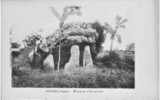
(15, 45)
(101, 38)
(30, 40)
(114, 31)
(67, 11)
(130, 47)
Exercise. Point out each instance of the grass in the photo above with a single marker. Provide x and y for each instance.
(101, 78)
(111, 71)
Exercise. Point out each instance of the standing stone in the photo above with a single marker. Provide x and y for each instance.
(30, 56)
(87, 57)
(48, 63)
(74, 59)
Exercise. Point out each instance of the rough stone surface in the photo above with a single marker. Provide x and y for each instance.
(87, 57)
(30, 56)
(49, 62)
(74, 58)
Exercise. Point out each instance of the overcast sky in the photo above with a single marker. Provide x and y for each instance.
(29, 16)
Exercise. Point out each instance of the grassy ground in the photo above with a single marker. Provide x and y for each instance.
(110, 71)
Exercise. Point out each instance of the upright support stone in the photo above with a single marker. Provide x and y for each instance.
(48, 63)
(30, 56)
(74, 59)
(87, 57)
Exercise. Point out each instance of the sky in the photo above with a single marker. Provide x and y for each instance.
(28, 16)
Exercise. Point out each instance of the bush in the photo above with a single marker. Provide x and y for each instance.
(114, 74)
(111, 60)
(101, 78)
(117, 59)
(129, 60)
(15, 45)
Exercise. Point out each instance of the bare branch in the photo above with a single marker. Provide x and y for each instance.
(55, 13)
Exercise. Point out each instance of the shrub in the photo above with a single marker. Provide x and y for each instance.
(129, 60)
(111, 60)
(15, 45)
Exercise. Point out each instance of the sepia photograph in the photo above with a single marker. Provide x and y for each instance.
(70, 45)
(79, 50)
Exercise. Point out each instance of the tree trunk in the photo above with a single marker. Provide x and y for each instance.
(59, 56)
(59, 50)
(111, 46)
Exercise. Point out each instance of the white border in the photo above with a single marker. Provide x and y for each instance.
(114, 94)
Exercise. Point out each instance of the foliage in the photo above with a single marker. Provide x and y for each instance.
(114, 31)
(67, 11)
(130, 47)
(31, 39)
(119, 59)
(115, 72)
(101, 36)
(111, 60)
(15, 45)
(74, 32)
(100, 78)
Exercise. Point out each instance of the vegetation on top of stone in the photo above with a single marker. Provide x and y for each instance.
(74, 32)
